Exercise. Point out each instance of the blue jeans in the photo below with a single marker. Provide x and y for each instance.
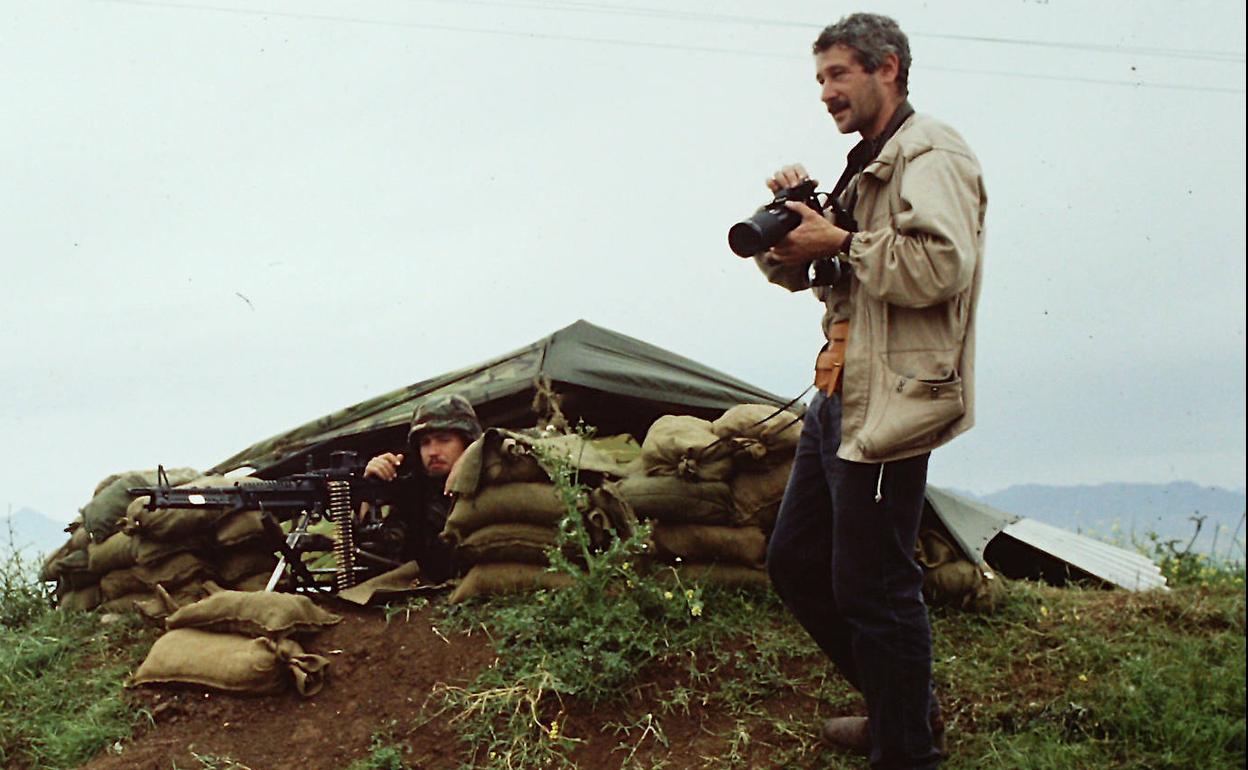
(844, 565)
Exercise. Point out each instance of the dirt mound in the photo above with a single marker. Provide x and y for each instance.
(382, 674)
(381, 671)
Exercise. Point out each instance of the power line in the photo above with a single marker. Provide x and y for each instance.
(623, 42)
(663, 13)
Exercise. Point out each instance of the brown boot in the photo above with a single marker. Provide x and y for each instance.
(851, 734)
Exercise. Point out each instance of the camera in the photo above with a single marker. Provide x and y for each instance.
(772, 222)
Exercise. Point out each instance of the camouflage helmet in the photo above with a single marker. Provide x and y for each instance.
(444, 413)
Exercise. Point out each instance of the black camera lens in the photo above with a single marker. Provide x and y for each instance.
(761, 231)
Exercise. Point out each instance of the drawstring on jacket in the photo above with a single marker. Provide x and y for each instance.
(879, 485)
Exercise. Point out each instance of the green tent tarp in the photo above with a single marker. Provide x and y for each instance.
(614, 382)
(621, 385)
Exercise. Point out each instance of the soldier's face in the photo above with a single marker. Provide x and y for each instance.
(439, 449)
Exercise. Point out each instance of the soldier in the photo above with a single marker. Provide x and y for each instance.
(442, 428)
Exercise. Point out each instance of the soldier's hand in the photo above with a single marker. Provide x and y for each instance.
(384, 466)
(789, 176)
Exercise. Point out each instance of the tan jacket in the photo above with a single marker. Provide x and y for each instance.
(918, 260)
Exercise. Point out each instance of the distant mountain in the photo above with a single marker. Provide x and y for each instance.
(32, 534)
(1127, 513)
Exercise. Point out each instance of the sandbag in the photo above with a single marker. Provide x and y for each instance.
(492, 460)
(51, 568)
(257, 582)
(78, 541)
(767, 435)
(74, 571)
(400, 581)
(171, 524)
(527, 503)
(674, 500)
(237, 563)
(709, 543)
(254, 614)
(176, 524)
(231, 663)
(932, 549)
(963, 585)
(129, 602)
(766, 516)
(81, 599)
(148, 552)
(685, 446)
(524, 543)
(757, 492)
(118, 551)
(507, 457)
(171, 572)
(100, 516)
(240, 527)
(109, 479)
(603, 456)
(506, 577)
(79, 538)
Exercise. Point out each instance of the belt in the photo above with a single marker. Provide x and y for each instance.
(830, 363)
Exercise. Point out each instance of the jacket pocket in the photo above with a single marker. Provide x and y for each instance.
(913, 413)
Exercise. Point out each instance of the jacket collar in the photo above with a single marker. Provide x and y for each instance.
(862, 158)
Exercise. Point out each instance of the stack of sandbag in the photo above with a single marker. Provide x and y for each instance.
(230, 547)
(951, 580)
(765, 441)
(240, 642)
(507, 510)
(684, 488)
(77, 588)
(120, 553)
(78, 576)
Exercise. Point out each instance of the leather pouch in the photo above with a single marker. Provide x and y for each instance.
(831, 360)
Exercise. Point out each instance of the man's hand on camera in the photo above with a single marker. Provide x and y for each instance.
(384, 467)
(789, 176)
(815, 237)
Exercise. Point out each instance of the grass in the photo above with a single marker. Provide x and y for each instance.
(630, 669)
(1057, 678)
(384, 754)
(61, 687)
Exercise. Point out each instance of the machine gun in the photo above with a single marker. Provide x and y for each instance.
(333, 494)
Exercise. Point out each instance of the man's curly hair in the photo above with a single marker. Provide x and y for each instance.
(871, 37)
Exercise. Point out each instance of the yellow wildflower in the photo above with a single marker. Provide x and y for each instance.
(696, 610)
(1044, 610)
(1083, 677)
(667, 594)
(688, 593)
(554, 730)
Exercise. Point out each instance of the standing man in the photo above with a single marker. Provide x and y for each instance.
(899, 277)
(441, 429)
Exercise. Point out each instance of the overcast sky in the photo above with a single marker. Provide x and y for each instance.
(223, 219)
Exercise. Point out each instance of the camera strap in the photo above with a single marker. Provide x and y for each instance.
(861, 156)
(780, 410)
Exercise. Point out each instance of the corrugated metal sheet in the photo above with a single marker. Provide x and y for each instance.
(971, 523)
(1119, 566)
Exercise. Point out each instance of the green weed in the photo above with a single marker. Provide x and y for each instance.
(384, 754)
(61, 677)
